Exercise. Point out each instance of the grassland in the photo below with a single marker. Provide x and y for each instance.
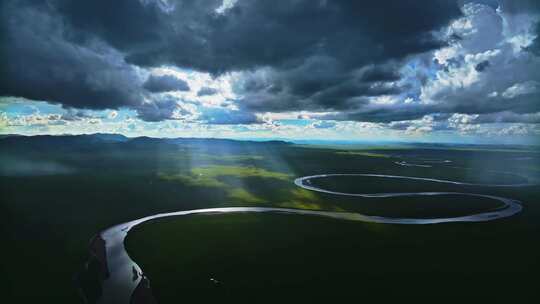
(300, 257)
(369, 154)
(48, 219)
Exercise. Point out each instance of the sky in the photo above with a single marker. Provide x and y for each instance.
(464, 71)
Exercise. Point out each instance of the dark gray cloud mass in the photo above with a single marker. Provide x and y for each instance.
(69, 47)
(165, 83)
(380, 73)
(261, 33)
(293, 55)
(161, 109)
(535, 46)
(385, 113)
(40, 61)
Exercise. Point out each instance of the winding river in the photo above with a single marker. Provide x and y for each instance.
(125, 282)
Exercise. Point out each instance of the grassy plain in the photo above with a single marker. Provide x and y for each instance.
(56, 193)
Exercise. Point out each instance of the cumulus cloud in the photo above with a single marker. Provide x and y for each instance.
(475, 74)
(468, 76)
(163, 108)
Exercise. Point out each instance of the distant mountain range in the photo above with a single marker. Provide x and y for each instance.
(59, 141)
(37, 141)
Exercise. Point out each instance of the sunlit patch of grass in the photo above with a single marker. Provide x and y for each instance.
(234, 158)
(309, 206)
(242, 195)
(209, 158)
(301, 205)
(369, 154)
(305, 199)
(189, 180)
(303, 194)
(238, 172)
(208, 176)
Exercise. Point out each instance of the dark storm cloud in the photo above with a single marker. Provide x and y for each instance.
(165, 83)
(160, 109)
(308, 57)
(315, 55)
(318, 84)
(206, 91)
(535, 46)
(124, 24)
(522, 109)
(39, 61)
(378, 73)
(351, 94)
(400, 125)
(508, 82)
(74, 115)
(386, 113)
(261, 33)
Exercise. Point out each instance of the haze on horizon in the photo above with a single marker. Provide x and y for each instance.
(434, 71)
